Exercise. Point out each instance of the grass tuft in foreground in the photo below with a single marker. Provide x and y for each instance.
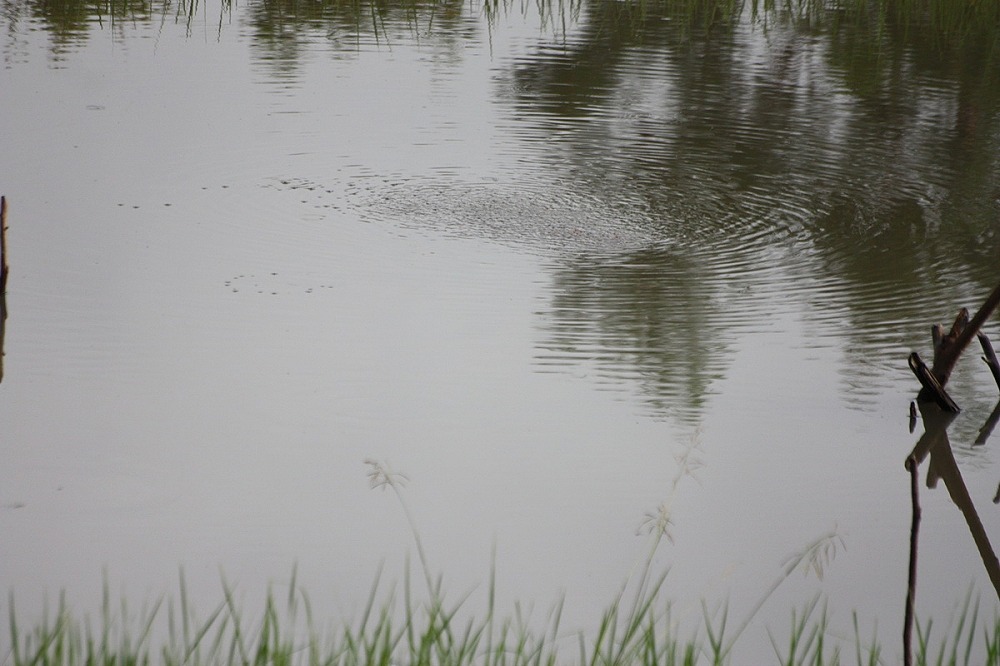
(398, 631)
(409, 628)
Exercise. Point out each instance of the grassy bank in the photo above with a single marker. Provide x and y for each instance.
(416, 624)
(415, 629)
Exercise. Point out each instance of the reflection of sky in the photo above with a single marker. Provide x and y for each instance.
(367, 259)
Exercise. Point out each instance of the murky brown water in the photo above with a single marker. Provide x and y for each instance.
(529, 262)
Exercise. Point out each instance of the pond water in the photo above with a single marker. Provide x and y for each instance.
(568, 269)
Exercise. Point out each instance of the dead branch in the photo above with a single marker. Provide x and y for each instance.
(951, 346)
(911, 583)
(990, 357)
(932, 388)
(4, 270)
(947, 348)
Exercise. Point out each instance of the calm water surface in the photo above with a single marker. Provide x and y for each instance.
(535, 263)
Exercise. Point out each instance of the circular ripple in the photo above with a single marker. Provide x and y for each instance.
(533, 216)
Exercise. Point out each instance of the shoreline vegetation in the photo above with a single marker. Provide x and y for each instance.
(417, 623)
(635, 629)
(412, 626)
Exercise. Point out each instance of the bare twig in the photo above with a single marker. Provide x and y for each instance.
(3, 242)
(933, 388)
(911, 585)
(947, 348)
(951, 346)
(4, 270)
(990, 357)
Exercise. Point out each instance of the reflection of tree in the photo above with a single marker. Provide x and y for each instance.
(860, 153)
(757, 123)
(283, 29)
(649, 317)
(847, 152)
(70, 22)
(928, 226)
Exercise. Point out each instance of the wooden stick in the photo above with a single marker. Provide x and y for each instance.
(937, 336)
(961, 321)
(911, 583)
(4, 269)
(932, 387)
(951, 348)
(944, 361)
(991, 356)
(947, 348)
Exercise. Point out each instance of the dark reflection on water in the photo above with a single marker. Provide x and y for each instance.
(283, 32)
(70, 25)
(676, 160)
(942, 466)
(863, 164)
(660, 318)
